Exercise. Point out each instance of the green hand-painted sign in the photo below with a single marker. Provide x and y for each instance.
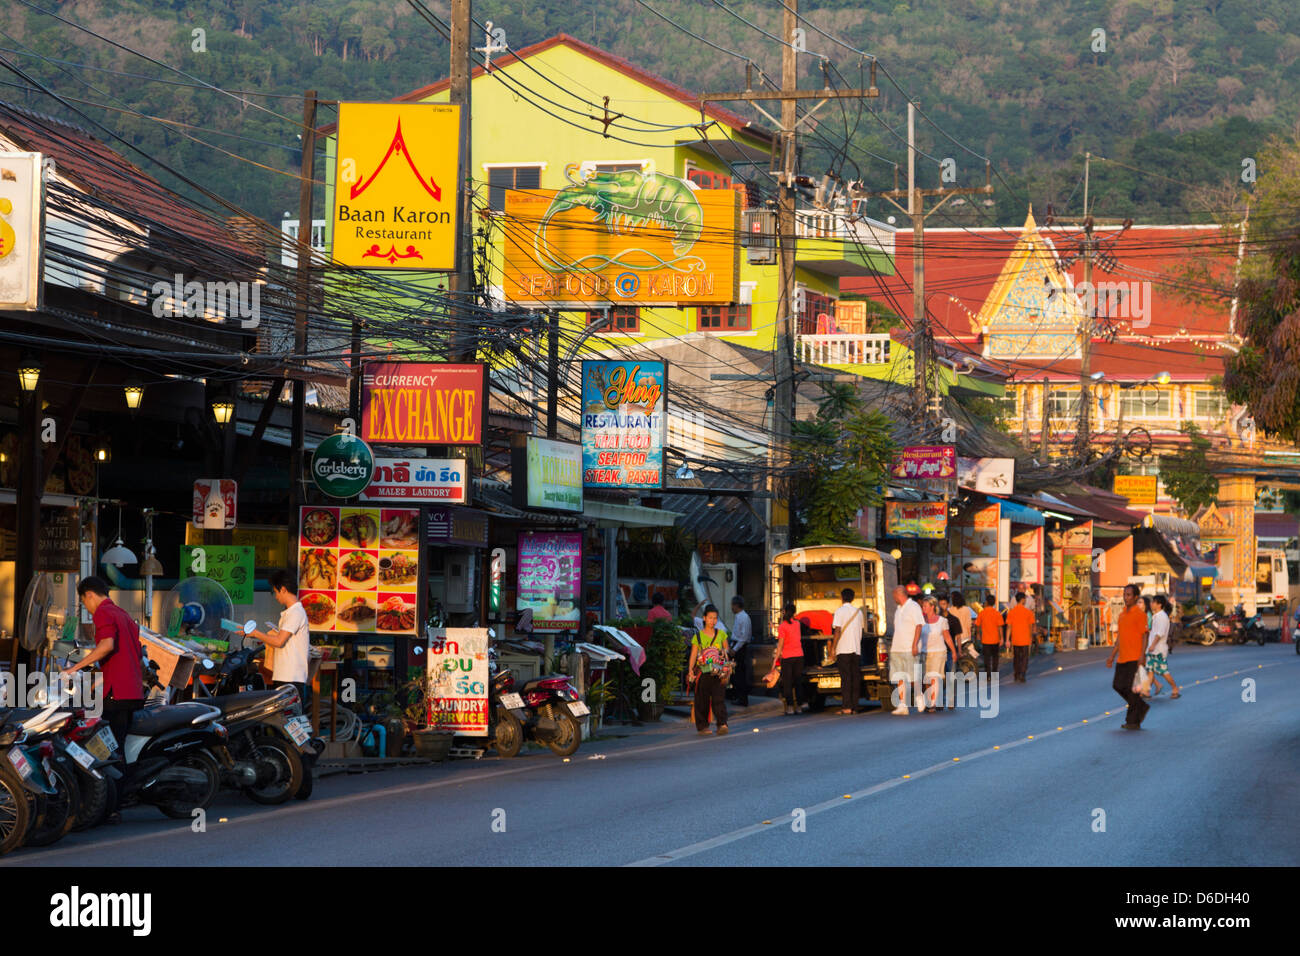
(230, 565)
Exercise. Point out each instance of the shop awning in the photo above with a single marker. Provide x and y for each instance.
(1052, 507)
(1115, 515)
(1018, 513)
(624, 640)
(610, 514)
(1168, 524)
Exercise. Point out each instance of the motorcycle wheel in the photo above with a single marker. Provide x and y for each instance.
(13, 810)
(95, 800)
(61, 807)
(286, 768)
(1208, 636)
(182, 808)
(1259, 638)
(568, 735)
(509, 737)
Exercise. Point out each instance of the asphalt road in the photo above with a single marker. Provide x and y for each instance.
(1213, 779)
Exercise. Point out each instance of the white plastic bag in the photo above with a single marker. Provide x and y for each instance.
(1142, 681)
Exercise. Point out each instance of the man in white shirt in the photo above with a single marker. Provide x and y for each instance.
(908, 622)
(742, 630)
(1158, 648)
(846, 631)
(291, 641)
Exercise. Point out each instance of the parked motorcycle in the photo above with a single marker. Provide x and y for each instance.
(545, 709)
(1256, 632)
(1202, 628)
(174, 758)
(270, 741)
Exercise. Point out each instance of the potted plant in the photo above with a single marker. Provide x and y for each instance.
(430, 743)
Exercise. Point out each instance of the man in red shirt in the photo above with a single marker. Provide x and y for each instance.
(658, 612)
(1020, 628)
(117, 646)
(1129, 649)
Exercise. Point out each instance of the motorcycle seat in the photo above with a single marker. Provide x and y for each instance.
(150, 722)
(229, 703)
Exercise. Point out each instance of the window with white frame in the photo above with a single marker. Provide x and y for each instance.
(1210, 405)
(1145, 402)
(1063, 403)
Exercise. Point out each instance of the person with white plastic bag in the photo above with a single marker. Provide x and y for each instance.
(1129, 649)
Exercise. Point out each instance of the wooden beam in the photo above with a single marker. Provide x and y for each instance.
(61, 433)
(272, 400)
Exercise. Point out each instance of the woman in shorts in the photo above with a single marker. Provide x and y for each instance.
(1158, 648)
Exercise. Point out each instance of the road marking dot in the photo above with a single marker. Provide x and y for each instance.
(1085, 720)
(1060, 728)
(1031, 736)
(956, 759)
(1060, 668)
(996, 747)
(907, 776)
(767, 823)
(848, 796)
(223, 819)
(755, 730)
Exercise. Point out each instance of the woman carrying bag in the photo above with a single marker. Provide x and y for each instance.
(709, 670)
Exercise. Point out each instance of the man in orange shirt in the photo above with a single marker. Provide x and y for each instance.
(1020, 626)
(1129, 649)
(990, 626)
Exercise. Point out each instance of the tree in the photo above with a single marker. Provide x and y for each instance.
(1187, 476)
(844, 455)
(1265, 374)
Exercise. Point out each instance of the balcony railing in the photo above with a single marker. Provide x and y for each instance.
(824, 224)
(871, 349)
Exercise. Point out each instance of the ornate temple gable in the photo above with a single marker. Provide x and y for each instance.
(1032, 311)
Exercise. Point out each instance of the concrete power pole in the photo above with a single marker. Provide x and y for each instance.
(916, 212)
(786, 228)
(463, 343)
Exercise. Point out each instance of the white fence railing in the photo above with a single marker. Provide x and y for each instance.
(871, 349)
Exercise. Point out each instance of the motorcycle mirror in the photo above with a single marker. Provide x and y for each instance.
(250, 626)
(417, 649)
(492, 634)
(207, 663)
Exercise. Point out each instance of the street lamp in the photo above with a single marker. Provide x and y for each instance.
(103, 452)
(223, 410)
(29, 374)
(134, 393)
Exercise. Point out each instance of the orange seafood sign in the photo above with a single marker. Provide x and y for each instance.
(395, 195)
(423, 403)
(631, 237)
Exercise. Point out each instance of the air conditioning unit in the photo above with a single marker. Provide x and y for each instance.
(758, 236)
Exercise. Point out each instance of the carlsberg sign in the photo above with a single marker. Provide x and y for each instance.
(342, 466)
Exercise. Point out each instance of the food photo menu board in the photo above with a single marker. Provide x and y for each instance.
(358, 568)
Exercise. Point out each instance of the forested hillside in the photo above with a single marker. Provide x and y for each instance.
(1171, 93)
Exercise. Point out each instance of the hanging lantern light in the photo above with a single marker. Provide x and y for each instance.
(29, 374)
(622, 538)
(119, 554)
(134, 393)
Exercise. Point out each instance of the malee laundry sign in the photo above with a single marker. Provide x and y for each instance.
(342, 466)
(623, 423)
(423, 403)
(419, 479)
(395, 197)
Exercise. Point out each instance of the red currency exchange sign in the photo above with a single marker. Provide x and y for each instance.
(423, 403)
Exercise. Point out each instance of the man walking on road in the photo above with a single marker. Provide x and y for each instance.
(990, 626)
(1129, 649)
(742, 629)
(1020, 627)
(908, 621)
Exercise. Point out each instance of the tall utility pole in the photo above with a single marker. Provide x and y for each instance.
(786, 154)
(916, 212)
(1087, 326)
(463, 344)
(298, 418)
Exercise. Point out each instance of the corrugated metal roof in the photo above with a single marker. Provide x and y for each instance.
(729, 521)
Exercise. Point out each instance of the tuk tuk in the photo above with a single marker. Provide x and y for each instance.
(811, 579)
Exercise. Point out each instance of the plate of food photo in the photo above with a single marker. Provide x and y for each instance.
(359, 529)
(356, 613)
(358, 570)
(320, 610)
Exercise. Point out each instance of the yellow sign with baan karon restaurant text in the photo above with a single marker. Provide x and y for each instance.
(395, 196)
(631, 237)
